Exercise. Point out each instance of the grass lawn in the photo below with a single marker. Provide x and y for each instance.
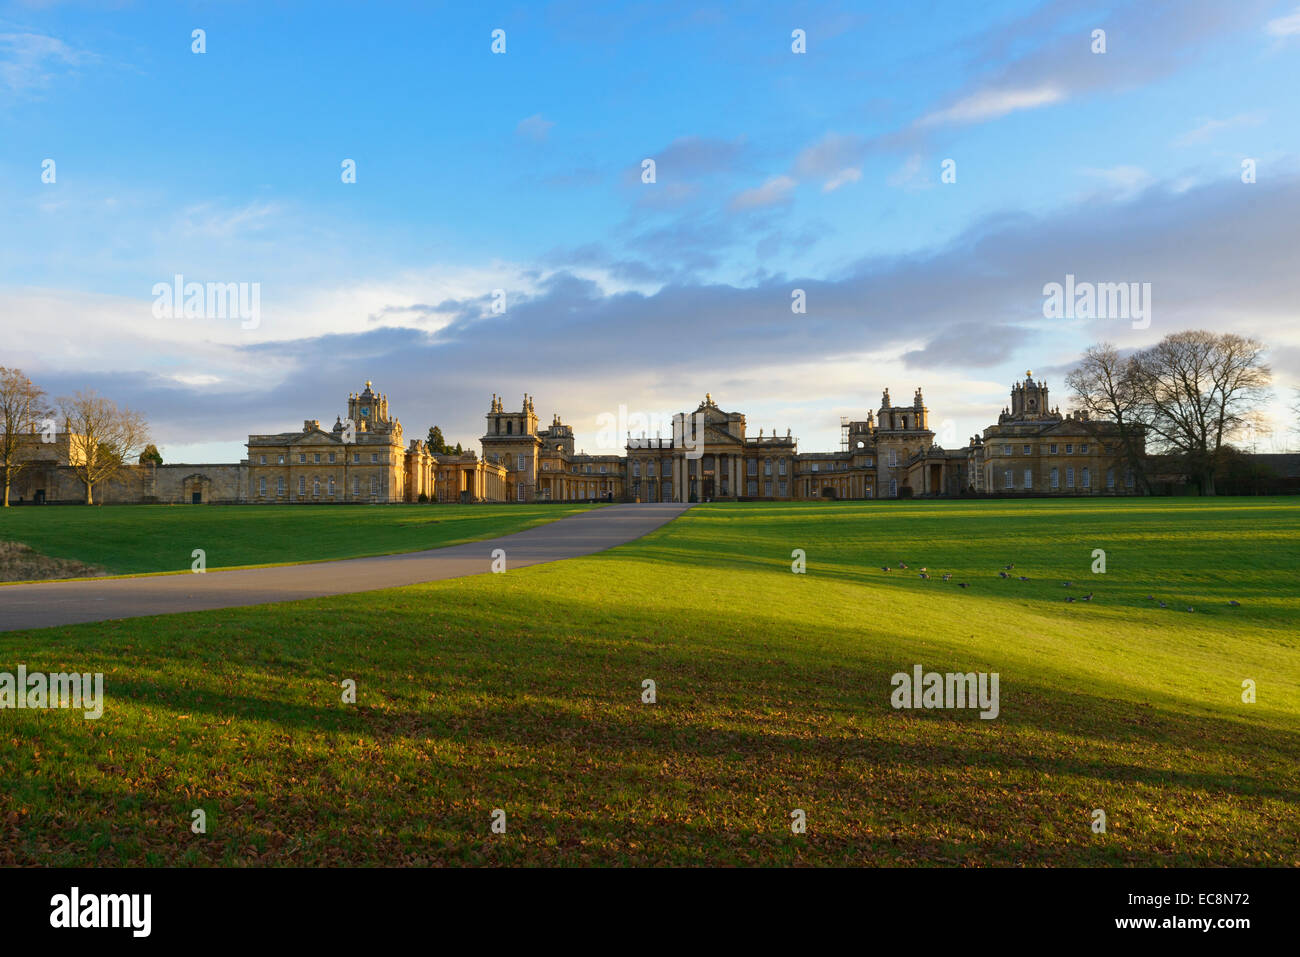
(523, 691)
(132, 539)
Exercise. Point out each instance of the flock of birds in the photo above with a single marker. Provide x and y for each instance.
(1006, 574)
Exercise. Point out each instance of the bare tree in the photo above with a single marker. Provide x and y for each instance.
(102, 438)
(1106, 386)
(22, 407)
(1201, 389)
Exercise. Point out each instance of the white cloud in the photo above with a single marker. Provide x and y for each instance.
(1207, 127)
(850, 175)
(991, 104)
(773, 191)
(28, 60)
(910, 175)
(535, 127)
(1126, 179)
(1287, 26)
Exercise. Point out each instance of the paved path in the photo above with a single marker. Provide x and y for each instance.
(46, 604)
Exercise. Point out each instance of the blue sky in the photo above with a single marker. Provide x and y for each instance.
(521, 171)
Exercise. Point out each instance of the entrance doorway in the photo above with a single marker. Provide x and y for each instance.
(196, 498)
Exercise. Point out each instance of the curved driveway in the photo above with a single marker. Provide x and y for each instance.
(46, 604)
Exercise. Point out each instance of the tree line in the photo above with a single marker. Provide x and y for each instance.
(102, 435)
(1177, 404)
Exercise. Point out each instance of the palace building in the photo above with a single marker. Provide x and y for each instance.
(1034, 449)
(889, 453)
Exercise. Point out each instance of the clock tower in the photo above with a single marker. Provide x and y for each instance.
(369, 411)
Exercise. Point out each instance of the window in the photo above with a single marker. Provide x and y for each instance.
(767, 489)
(767, 466)
(1069, 478)
(1029, 478)
(315, 457)
(752, 488)
(636, 470)
(261, 460)
(893, 457)
(1026, 449)
(519, 491)
(1008, 479)
(1055, 447)
(650, 470)
(893, 488)
(281, 458)
(1087, 479)
(1128, 478)
(814, 466)
(374, 487)
(780, 467)
(782, 490)
(604, 469)
(302, 485)
(1006, 450)
(356, 486)
(356, 458)
(374, 458)
(331, 486)
(1110, 478)
(261, 486)
(1056, 478)
(1069, 450)
(519, 462)
(1083, 449)
(751, 466)
(588, 469)
(279, 486)
(331, 458)
(302, 458)
(315, 488)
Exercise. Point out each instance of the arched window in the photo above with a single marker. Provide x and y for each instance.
(510, 428)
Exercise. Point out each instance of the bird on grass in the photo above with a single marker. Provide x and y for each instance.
(1190, 608)
(1087, 597)
(1163, 605)
(962, 585)
(925, 576)
(1151, 597)
(902, 564)
(885, 568)
(924, 569)
(1009, 567)
(1070, 598)
(1003, 575)
(947, 577)
(1067, 584)
(1023, 578)
(1235, 604)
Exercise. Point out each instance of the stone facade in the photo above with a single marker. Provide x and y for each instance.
(891, 453)
(1035, 450)
(360, 461)
(541, 464)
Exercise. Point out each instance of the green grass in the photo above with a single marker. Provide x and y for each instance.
(135, 539)
(522, 692)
